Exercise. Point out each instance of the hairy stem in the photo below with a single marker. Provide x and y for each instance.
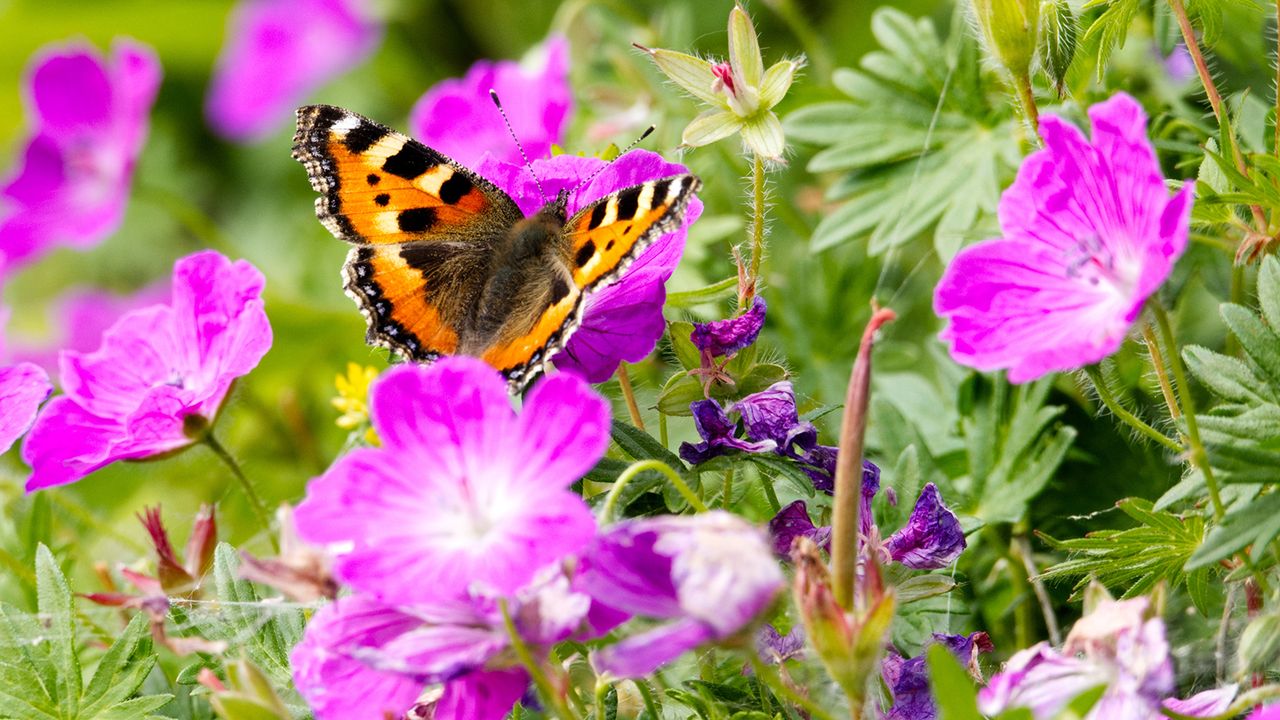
(632, 471)
(1023, 547)
(757, 230)
(1128, 418)
(255, 502)
(1199, 457)
(629, 394)
(1027, 100)
(1157, 362)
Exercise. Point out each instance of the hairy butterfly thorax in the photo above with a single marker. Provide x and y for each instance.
(444, 262)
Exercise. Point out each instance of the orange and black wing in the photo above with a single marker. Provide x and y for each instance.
(379, 186)
(606, 236)
(423, 225)
(598, 244)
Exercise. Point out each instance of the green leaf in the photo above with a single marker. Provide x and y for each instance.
(1058, 47)
(921, 141)
(1111, 27)
(40, 674)
(682, 390)
(949, 680)
(643, 446)
(1254, 523)
(1138, 558)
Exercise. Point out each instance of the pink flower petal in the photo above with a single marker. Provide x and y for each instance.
(482, 695)
(22, 388)
(641, 654)
(71, 92)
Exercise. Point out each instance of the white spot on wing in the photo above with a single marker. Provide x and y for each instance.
(346, 125)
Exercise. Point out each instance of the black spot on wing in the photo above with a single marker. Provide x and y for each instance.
(416, 220)
(374, 178)
(660, 190)
(363, 136)
(452, 190)
(559, 290)
(629, 202)
(585, 253)
(413, 160)
(382, 199)
(597, 215)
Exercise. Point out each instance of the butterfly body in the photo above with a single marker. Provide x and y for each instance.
(444, 262)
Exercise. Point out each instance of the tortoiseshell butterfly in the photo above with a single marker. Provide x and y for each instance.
(445, 262)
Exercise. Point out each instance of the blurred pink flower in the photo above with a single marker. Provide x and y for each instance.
(622, 320)
(159, 377)
(457, 116)
(88, 120)
(463, 492)
(1089, 233)
(77, 322)
(277, 52)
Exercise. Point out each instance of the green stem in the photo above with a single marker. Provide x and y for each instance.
(629, 395)
(769, 493)
(784, 691)
(1027, 101)
(646, 694)
(540, 680)
(1199, 457)
(757, 230)
(1162, 374)
(255, 502)
(727, 490)
(1104, 394)
(606, 511)
(662, 429)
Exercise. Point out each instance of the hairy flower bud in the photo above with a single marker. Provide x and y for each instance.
(1010, 29)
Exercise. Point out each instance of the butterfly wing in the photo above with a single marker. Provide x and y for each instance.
(597, 245)
(424, 227)
(606, 236)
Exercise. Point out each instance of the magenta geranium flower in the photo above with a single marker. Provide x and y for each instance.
(463, 492)
(279, 51)
(1089, 232)
(385, 655)
(88, 120)
(162, 372)
(710, 575)
(458, 118)
(621, 321)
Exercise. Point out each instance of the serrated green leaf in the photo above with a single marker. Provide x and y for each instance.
(1058, 46)
(686, 352)
(1136, 559)
(122, 670)
(1256, 523)
(139, 707)
(643, 446)
(1110, 28)
(58, 616)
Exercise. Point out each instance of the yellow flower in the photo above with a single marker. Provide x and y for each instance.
(353, 399)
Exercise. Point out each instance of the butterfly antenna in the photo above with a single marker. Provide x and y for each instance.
(498, 103)
(628, 149)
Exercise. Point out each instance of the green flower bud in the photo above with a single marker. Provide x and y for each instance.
(1011, 29)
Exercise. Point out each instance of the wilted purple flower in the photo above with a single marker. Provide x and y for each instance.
(276, 53)
(463, 492)
(78, 321)
(621, 321)
(457, 116)
(771, 414)
(88, 119)
(22, 388)
(908, 679)
(931, 539)
(719, 434)
(1089, 233)
(711, 574)
(720, 338)
(159, 378)
(461, 642)
(1116, 645)
(793, 521)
